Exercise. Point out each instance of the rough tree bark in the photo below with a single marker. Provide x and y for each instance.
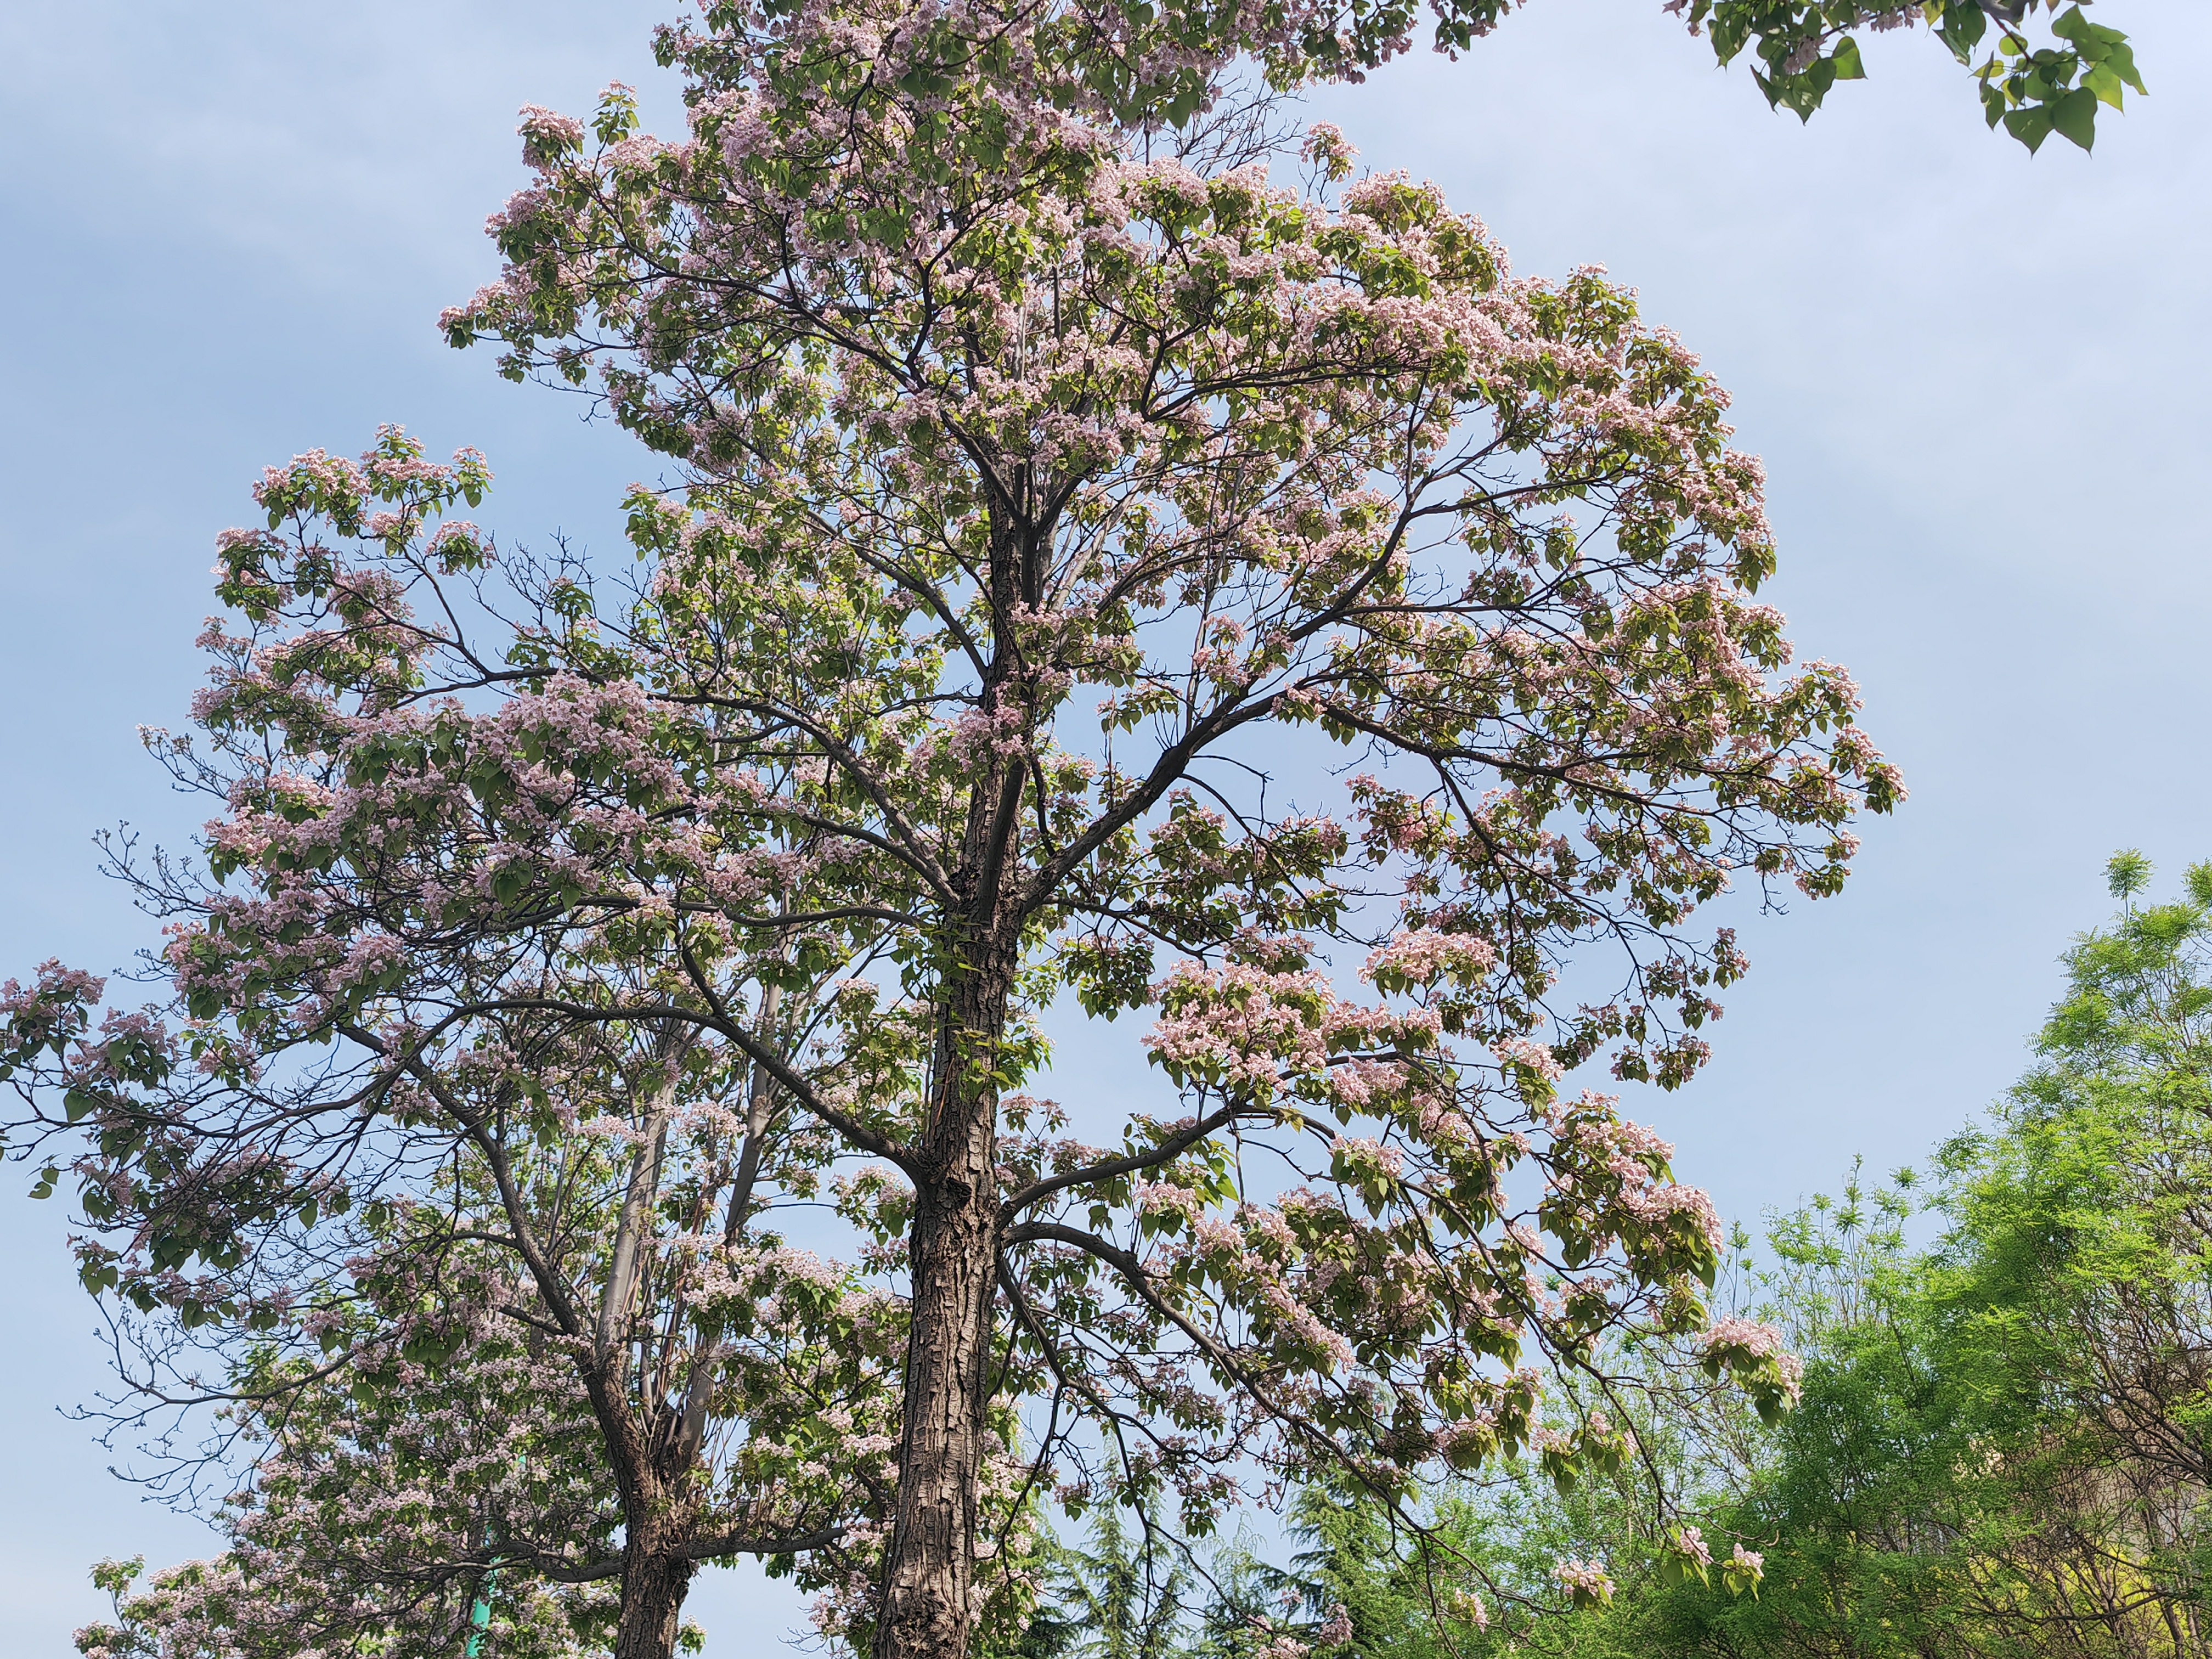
(952, 1250)
(654, 1582)
(930, 1569)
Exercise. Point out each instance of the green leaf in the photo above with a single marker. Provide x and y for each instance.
(1962, 28)
(2075, 116)
(2120, 59)
(2030, 126)
(2071, 25)
(1848, 65)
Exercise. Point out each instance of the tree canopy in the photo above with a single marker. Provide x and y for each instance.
(2036, 70)
(1055, 508)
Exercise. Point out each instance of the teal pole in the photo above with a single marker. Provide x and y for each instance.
(481, 1618)
(480, 1614)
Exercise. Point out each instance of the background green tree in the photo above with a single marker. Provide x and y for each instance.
(2001, 1446)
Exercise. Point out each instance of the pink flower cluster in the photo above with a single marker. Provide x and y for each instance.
(1585, 1581)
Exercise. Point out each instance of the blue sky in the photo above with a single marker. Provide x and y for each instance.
(1977, 381)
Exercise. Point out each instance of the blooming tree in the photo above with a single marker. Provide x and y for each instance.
(447, 1478)
(1062, 504)
(437, 1443)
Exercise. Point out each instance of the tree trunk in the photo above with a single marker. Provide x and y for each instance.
(952, 1247)
(930, 1572)
(654, 1586)
(952, 1243)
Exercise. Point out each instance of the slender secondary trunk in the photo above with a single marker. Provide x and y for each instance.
(655, 1577)
(654, 1586)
